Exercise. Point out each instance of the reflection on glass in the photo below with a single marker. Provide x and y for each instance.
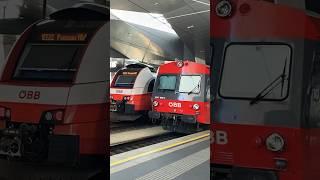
(248, 69)
(190, 84)
(167, 82)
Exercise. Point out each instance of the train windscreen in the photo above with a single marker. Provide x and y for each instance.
(49, 62)
(253, 69)
(167, 82)
(126, 81)
(190, 84)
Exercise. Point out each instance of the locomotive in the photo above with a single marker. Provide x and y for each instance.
(181, 96)
(130, 93)
(53, 90)
(266, 59)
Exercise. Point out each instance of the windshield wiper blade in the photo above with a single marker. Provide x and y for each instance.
(270, 86)
(196, 87)
(283, 76)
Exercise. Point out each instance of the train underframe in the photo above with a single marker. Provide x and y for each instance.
(179, 123)
(227, 172)
(122, 111)
(36, 143)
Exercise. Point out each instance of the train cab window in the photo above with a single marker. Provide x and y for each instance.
(167, 82)
(126, 81)
(253, 69)
(190, 84)
(50, 62)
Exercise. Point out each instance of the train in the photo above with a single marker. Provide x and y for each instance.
(265, 84)
(181, 96)
(53, 90)
(130, 93)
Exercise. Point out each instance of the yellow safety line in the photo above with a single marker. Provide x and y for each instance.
(157, 150)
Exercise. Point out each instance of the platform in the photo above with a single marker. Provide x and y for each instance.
(135, 135)
(184, 158)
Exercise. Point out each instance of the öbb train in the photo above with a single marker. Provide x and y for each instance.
(181, 96)
(267, 91)
(53, 89)
(130, 93)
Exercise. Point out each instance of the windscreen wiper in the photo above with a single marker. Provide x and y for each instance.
(270, 87)
(196, 87)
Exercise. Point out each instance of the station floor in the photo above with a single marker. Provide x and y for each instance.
(188, 161)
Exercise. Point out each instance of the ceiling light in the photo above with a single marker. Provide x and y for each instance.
(189, 27)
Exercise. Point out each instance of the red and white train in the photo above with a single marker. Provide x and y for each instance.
(181, 96)
(266, 83)
(130, 92)
(53, 89)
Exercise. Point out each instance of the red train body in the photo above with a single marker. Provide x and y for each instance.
(266, 107)
(181, 96)
(53, 89)
(130, 93)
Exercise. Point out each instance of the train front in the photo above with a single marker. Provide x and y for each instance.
(53, 90)
(130, 93)
(264, 100)
(181, 96)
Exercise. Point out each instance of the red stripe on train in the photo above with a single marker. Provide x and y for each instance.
(188, 68)
(185, 108)
(264, 20)
(141, 102)
(31, 113)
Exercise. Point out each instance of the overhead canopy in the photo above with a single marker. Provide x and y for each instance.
(83, 11)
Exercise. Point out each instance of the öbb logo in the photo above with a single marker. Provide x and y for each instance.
(23, 94)
(174, 104)
(219, 137)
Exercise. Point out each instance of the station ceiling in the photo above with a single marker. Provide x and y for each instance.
(189, 18)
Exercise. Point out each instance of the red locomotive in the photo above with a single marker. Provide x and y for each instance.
(53, 89)
(130, 92)
(181, 96)
(267, 95)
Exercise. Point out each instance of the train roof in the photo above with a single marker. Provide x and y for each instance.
(83, 11)
(141, 66)
(189, 67)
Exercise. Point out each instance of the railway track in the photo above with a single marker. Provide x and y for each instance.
(121, 148)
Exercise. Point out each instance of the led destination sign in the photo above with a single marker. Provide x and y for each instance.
(64, 37)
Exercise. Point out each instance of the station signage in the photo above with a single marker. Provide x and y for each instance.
(64, 36)
(129, 73)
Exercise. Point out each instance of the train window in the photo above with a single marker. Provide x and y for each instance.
(167, 82)
(313, 6)
(151, 84)
(51, 62)
(253, 69)
(126, 81)
(190, 84)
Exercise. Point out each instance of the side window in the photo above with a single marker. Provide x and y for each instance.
(151, 84)
(208, 90)
(314, 113)
(313, 5)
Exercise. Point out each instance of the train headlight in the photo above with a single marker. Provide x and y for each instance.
(126, 98)
(5, 113)
(155, 103)
(196, 107)
(48, 116)
(180, 64)
(224, 8)
(275, 142)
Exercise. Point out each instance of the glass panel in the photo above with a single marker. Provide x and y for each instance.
(47, 62)
(248, 69)
(125, 81)
(190, 84)
(167, 82)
